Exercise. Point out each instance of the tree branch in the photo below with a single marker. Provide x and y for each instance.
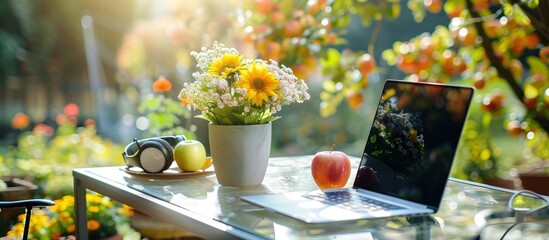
(373, 38)
(539, 21)
(503, 72)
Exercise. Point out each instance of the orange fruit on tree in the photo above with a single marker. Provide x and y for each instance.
(264, 6)
(277, 17)
(532, 41)
(466, 36)
(366, 64)
(273, 51)
(455, 12)
(530, 103)
(518, 45)
(544, 54)
(478, 80)
(433, 6)
(481, 4)
(427, 46)
(300, 70)
(492, 27)
(355, 100)
(406, 63)
(513, 128)
(493, 102)
(423, 62)
(293, 28)
(515, 67)
(537, 80)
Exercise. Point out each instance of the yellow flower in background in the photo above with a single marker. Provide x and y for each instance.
(57, 221)
(93, 209)
(226, 65)
(260, 83)
(125, 210)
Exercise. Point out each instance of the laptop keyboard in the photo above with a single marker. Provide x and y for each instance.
(350, 201)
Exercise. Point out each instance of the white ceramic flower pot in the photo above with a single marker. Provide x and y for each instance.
(240, 153)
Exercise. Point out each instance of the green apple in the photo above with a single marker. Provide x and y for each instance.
(189, 155)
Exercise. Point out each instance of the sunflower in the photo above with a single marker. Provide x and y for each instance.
(260, 83)
(225, 65)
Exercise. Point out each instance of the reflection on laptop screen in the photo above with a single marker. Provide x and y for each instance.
(413, 139)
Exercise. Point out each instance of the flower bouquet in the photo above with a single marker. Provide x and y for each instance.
(232, 90)
(239, 98)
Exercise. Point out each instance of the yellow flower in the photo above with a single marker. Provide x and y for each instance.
(225, 65)
(260, 83)
(125, 210)
(93, 209)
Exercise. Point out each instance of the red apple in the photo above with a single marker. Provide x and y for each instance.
(331, 169)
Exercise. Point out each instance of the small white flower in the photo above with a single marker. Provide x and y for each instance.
(223, 84)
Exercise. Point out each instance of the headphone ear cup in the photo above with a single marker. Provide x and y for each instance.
(169, 153)
(156, 155)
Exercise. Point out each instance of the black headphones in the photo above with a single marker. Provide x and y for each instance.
(153, 155)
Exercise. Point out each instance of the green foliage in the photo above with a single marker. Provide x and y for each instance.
(231, 116)
(476, 158)
(165, 116)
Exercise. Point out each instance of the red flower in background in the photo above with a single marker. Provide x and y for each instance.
(162, 85)
(43, 130)
(20, 121)
(71, 110)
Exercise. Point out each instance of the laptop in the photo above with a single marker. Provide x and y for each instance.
(405, 164)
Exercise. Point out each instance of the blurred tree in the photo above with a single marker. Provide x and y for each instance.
(498, 46)
(42, 61)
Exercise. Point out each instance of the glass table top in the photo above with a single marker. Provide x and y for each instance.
(462, 201)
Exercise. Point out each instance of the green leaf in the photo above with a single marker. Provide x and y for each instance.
(389, 56)
(486, 120)
(330, 62)
(453, 5)
(531, 3)
(287, 6)
(393, 11)
(208, 117)
(272, 118)
(537, 66)
(149, 104)
(238, 118)
(329, 86)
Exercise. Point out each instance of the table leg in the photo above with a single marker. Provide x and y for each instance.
(81, 217)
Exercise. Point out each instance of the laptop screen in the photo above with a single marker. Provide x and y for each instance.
(413, 139)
